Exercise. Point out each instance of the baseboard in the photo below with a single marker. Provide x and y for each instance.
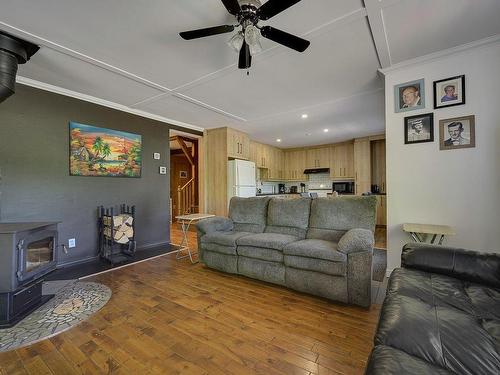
(94, 257)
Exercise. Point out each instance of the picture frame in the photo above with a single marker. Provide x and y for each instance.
(419, 128)
(457, 132)
(409, 96)
(449, 92)
(183, 174)
(101, 152)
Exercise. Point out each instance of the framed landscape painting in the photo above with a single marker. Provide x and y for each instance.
(104, 152)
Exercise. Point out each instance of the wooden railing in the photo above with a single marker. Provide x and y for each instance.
(186, 198)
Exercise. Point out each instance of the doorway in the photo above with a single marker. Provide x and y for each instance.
(184, 174)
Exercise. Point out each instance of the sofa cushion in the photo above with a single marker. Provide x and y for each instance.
(440, 320)
(217, 248)
(332, 217)
(316, 265)
(270, 255)
(223, 238)
(318, 249)
(266, 240)
(387, 360)
(249, 214)
(288, 216)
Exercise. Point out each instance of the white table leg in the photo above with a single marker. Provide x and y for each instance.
(184, 245)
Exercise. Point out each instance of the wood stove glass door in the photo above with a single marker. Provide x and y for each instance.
(39, 254)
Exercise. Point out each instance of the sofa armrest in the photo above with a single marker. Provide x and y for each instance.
(214, 224)
(482, 268)
(356, 240)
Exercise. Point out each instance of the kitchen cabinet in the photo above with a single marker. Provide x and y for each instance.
(342, 161)
(362, 165)
(318, 158)
(238, 144)
(295, 164)
(275, 170)
(378, 164)
(381, 210)
(259, 154)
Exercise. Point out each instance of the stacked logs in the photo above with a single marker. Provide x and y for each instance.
(123, 230)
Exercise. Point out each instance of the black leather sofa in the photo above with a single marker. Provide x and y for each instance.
(441, 314)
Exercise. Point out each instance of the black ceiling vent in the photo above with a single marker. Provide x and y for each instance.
(13, 51)
(317, 170)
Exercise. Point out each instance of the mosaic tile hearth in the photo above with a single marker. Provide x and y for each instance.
(71, 305)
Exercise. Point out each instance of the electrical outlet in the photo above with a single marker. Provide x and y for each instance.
(156, 156)
(163, 170)
(71, 243)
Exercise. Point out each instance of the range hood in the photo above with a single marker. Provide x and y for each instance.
(317, 170)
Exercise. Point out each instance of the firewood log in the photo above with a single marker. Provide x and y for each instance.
(129, 232)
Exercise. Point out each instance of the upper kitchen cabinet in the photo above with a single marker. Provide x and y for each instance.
(318, 158)
(275, 165)
(295, 164)
(238, 144)
(342, 161)
(260, 154)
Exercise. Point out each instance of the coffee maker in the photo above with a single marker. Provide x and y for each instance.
(281, 188)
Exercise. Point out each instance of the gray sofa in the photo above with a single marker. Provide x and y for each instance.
(319, 246)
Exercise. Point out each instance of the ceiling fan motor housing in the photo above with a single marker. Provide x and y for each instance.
(248, 13)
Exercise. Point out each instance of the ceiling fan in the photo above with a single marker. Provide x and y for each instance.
(249, 13)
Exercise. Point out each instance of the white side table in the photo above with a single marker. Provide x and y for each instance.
(417, 231)
(186, 221)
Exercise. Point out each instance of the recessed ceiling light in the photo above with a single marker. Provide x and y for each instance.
(305, 115)
(325, 130)
(278, 140)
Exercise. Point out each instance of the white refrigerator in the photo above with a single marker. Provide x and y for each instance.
(242, 180)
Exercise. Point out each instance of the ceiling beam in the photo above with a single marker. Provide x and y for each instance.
(377, 26)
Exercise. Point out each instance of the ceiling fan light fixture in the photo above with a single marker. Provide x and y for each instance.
(255, 48)
(236, 41)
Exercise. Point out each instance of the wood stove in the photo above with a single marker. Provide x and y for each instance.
(28, 251)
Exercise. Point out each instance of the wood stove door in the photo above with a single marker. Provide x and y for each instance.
(36, 255)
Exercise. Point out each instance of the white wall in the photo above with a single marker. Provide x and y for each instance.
(461, 187)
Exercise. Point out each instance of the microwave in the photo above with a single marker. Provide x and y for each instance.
(343, 187)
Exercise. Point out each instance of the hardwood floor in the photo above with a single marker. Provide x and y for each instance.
(171, 317)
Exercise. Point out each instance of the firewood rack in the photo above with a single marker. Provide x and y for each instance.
(109, 249)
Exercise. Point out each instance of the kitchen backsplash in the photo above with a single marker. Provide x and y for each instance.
(316, 181)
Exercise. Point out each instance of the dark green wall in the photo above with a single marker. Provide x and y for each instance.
(35, 184)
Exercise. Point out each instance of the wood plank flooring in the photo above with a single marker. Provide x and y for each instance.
(171, 317)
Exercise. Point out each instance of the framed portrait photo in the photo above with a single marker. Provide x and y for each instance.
(183, 174)
(409, 96)
(449, 92)
(419, 129)
(458, 132)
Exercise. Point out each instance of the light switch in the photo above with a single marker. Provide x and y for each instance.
(156, 156)
(163, 170)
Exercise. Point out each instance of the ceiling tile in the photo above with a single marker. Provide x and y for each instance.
(182, 110)
(417, 28)
(340, 62)
(349, 118)
(64, 71)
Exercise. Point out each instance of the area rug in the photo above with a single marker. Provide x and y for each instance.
(72, 304)
(379, 264)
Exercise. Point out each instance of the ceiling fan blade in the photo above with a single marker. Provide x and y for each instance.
(200, 33)
(288, 40)
(232, 6)
(273, 7)
(245, 60)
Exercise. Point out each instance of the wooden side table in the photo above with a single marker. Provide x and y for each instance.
(186, 221)
(417, 231)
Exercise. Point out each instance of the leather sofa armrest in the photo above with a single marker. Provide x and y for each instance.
(356, 240)
(214, 224)
(473, 266)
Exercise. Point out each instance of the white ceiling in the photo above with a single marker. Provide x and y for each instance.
(129, 53)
